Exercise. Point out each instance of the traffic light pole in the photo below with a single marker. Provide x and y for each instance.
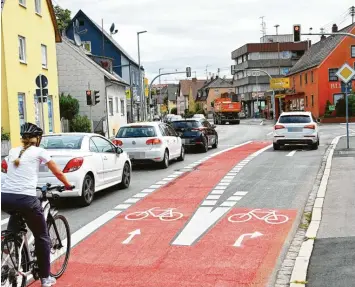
(329, 34)
(150, 89)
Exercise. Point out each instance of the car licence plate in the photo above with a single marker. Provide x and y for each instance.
(137, 155)
(294, 130)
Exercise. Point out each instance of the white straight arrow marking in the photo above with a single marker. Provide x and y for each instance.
(132, 234)
(239, 241)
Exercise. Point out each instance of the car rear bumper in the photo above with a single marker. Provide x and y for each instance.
(192, 141)
(154, 155)
(305, 139)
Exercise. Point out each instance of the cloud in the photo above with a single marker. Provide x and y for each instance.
(203, 32)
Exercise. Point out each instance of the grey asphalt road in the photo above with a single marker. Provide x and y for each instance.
(146, 176)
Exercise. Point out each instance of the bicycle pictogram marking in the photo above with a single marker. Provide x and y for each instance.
(167, 214)
(269, 216)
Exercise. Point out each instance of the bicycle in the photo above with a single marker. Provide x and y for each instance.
(269, 217)
(18, 254)
(165, 214)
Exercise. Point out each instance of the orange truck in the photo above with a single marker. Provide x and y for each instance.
(226, 111)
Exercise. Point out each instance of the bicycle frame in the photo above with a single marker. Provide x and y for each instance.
(266, 213)
(164, 212)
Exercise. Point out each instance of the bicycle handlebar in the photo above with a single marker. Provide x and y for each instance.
(49, 187)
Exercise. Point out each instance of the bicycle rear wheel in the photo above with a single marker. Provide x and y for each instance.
(59, 233)
(10, 248)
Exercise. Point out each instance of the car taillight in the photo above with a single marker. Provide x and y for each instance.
(4, 166)
(117, 142)
(73, 165)
(279, 127)
(153, 141)
(312, 127)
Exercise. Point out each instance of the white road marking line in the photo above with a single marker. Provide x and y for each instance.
(209, 202)
(4, 221)
(132, 200)
(224, 183)
(213, 197)
(219, 187)
(168, 179)
(228, 203)
(226, 180)
(173, 176)
(232, 174)
(148, 190)
(140, 195)
(122, 206)
(270, 133)
(217, 191)
(236, 198)
(179, 172)
(240, 193)
(228, 177)
(161, 182)
(291, 153)
(155, 186)
(349, 129)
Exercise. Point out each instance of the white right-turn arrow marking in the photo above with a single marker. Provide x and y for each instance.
(239, 241)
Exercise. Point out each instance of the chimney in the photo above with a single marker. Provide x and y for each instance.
(323, 37)
(194, 80)
(334, 28)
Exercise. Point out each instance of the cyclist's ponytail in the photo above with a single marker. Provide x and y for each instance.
(27, 142)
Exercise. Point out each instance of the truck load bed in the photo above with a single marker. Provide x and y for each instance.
(223, 105)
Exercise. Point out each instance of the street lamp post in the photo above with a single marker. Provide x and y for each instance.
(141, 95)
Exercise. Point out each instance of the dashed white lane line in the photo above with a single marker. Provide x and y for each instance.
(217, 191)
(140, 195)
(122, 206)
(241, 193)
(292, 153)
(209, 203)
(132, 200)
(213, 197)
(269, 134)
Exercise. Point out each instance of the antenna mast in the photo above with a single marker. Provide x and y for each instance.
(263, 26)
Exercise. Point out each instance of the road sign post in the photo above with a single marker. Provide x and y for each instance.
(346, 74)
(42, 82)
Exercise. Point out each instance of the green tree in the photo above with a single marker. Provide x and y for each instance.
(63, 17)
(68, 106)
(80, 124)
(340, 106)
(174, 111)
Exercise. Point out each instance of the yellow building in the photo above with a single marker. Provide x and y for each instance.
(29, 34)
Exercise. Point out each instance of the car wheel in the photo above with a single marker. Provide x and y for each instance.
(88, 190)
(276, 146)
(215, 145)
(204, 144)
(126, 176)
(182, 154)
(165, 163)
(314, 146)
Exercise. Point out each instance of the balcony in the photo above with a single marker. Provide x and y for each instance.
(269, 63)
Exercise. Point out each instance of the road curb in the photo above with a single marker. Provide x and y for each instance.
(293, 271)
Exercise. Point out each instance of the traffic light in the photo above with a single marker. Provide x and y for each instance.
(88, 98)
(296, 33)
(97, 96)
(188, 72)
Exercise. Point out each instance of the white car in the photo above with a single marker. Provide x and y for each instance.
(198, 116)
(150, 142)
(296, 128)
(89, 161)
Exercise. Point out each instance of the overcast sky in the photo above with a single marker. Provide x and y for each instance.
(204, 32)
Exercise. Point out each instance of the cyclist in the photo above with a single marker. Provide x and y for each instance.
(19, 194)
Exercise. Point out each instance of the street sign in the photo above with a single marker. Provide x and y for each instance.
(346, 87)
(279, 83)
(346, 73)
(146, 87)
(332, 108)
(44, 81)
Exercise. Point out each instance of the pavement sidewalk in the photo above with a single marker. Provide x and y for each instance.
(256, 121)
(333, 258)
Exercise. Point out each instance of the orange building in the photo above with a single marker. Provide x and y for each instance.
(313, 79)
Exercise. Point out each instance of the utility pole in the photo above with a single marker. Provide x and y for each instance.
(141, 95)
(352, 13)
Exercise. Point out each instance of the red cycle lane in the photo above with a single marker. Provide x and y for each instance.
(138, 253)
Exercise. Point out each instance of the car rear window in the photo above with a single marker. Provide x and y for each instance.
(136, 132)
(185, 124)
(62, 142)
(295, 119)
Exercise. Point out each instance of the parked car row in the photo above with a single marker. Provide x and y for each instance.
(93, 163)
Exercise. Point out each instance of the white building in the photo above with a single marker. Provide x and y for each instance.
(77, 73)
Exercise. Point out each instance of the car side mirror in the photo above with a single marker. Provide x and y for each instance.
(318, 121)
(118, 150)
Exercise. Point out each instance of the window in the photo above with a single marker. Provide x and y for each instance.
(122, 108)
(92, 146)
(295, 119)
(171, 131)
(306, 78)
(312, 100)
(103, 145)
(38, 7)
(44, 56)
(21, 108)
(136, 132)
(87, 45)
(332, 75)
(22, 3)
(110, 106)
(22, 49)
(312, 77)
(337, 97)
(67, 141)
(81, 23)
(352, 51)
(164, 130)
(117, 106)
(300, 79)
(306, 101)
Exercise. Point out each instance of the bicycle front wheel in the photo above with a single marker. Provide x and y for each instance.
(59, 233)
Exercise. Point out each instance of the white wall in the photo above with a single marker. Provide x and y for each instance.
(119, 117)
